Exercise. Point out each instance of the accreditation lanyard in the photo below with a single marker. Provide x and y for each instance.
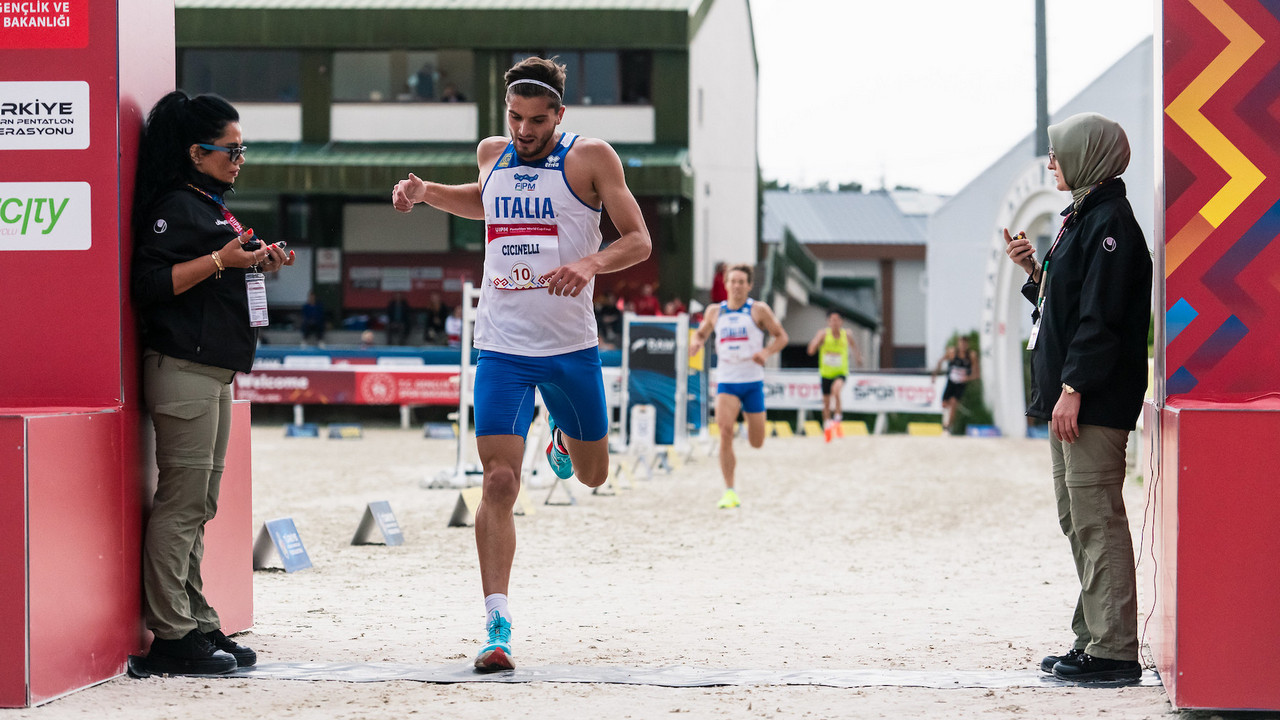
(226, 214)
(1044, 282)
(255, 282)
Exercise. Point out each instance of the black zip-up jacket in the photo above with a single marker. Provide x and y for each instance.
(1097, 306)
(209, 323)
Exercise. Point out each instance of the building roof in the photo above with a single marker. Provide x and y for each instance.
(840, 218)
(409, 24)
(357, 168)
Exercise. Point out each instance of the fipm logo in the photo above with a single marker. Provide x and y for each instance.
(45, 216)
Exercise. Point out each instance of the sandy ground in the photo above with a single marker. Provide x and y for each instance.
(887, 552)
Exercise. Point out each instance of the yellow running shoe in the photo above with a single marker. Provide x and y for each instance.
(729, 499)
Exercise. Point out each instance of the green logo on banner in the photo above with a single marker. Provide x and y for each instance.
(23, 215)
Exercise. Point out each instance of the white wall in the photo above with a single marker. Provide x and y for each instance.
(270, 122)
(376, 227)
(432, 122)
(611, 123)
(403, 122)
(722, 139)
(909, 302)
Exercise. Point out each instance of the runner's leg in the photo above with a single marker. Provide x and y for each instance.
(590, 460)
(727, 406)
(755, 428)
(837, 404)
(500, 455)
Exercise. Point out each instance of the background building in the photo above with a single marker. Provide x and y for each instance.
(868, 257)
(971, 283)
(340, 99)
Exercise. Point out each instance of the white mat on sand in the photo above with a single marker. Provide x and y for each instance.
(672, 676)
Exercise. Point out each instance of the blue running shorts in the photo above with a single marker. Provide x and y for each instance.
(750, 393)
(571, 385)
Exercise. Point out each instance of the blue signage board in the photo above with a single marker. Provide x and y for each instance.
(378, 514)
(280, 535)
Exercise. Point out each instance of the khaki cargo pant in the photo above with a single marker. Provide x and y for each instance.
(1088, 477)
(190, 405)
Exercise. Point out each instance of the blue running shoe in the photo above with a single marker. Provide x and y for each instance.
(557, 454)
(497, 654)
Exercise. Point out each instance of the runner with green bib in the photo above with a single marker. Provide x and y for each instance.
(833, 344)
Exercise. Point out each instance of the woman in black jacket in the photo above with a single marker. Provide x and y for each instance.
(196, 278)
(1092, 298)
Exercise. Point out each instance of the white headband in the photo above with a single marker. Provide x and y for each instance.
(539, 83)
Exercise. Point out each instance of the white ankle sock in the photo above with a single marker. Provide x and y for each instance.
(497, 601)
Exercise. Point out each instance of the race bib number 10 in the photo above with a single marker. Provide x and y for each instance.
(518, 256)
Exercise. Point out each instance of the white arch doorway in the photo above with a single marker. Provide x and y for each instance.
(1031, 204)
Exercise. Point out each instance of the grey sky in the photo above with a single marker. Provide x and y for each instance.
(924, 93)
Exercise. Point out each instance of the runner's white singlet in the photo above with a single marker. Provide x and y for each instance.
(534, 223)
(737, 339)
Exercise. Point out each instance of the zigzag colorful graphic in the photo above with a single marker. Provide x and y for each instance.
(1222, 197)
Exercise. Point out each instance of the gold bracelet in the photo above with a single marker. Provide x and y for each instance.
(217, 273)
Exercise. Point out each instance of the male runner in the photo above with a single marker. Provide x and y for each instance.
(740, 324)
(540, 194)
(833, 367)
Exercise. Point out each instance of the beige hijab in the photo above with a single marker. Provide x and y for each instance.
(1088, 148)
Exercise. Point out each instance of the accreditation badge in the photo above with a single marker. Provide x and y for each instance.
(256, 285)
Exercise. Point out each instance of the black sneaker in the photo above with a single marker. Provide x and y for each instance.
(192, 654)
(245, 656)
(1046, 665)
(1086, 668)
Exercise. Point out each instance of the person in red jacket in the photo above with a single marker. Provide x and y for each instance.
(718, 292)
(647, 303)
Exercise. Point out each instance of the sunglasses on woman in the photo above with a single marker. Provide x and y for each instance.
(234, 151)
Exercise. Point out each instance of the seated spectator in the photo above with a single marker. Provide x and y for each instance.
(437, 314)
(450, 93)
(313, 320)
(399, 320)
(609, 319)
(673, 307)
(453, 327)
(647, 302)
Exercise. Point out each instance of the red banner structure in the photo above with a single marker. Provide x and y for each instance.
(1211, 432)
(78, 78)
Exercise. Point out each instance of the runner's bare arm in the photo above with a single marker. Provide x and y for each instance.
(764, 317)
(816, 341)
(461, 200)
(704, 330)
(633, 246)
(853, 347)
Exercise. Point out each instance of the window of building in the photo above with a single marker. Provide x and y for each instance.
(601, 77)
(466, 234)
(242, 75)
(403, 76)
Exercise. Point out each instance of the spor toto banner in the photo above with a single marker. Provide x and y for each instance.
(863, 392)
(438, 385)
